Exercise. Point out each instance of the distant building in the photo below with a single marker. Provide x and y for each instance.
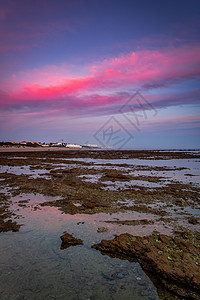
(89, 146)
(69, 145)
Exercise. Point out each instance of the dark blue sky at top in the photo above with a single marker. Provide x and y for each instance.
(80, 31)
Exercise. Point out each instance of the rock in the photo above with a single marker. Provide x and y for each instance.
(102, 229)
(115, 175)
(132, 222)
(68, 240)
(109, 275)
(8, 226)
(193, 221)
(93, 204)
(175, 261)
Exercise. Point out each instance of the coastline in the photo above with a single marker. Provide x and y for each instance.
(34, 149)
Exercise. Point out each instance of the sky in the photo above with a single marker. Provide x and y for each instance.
(120, 74)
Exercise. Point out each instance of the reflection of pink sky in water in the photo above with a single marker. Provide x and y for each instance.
(54, 221)
(35, 249)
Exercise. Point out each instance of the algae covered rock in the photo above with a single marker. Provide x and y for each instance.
(68, 240)
(102, 229)
(175, 260)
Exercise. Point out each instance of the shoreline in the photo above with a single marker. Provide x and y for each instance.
(39, 149)
(33, 149)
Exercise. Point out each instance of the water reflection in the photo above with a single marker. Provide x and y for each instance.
(34, 267)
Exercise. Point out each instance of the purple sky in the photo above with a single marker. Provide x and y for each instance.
(70, 70)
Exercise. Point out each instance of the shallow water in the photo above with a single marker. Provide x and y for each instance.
(190, 173)
(34, 267)
(18, 170)
(191, 166)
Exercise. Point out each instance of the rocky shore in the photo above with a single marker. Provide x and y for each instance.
(174, 260)
(82, 184)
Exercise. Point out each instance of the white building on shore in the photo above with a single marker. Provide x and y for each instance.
(69, 145)
(90, 146)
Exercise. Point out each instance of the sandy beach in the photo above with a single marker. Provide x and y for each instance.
(32, 149)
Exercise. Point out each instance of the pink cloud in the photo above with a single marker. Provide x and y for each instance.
(139, 67)
(143, 69)
(150, 66)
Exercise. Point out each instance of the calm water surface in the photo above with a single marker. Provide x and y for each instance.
(34, 267)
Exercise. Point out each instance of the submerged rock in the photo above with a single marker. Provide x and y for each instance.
(175, 260)
(68, 240)
(6, 222)
(102, 229)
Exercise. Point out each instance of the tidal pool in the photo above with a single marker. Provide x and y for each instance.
(34, 267)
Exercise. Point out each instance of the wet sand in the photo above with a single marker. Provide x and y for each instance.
(31, 149)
